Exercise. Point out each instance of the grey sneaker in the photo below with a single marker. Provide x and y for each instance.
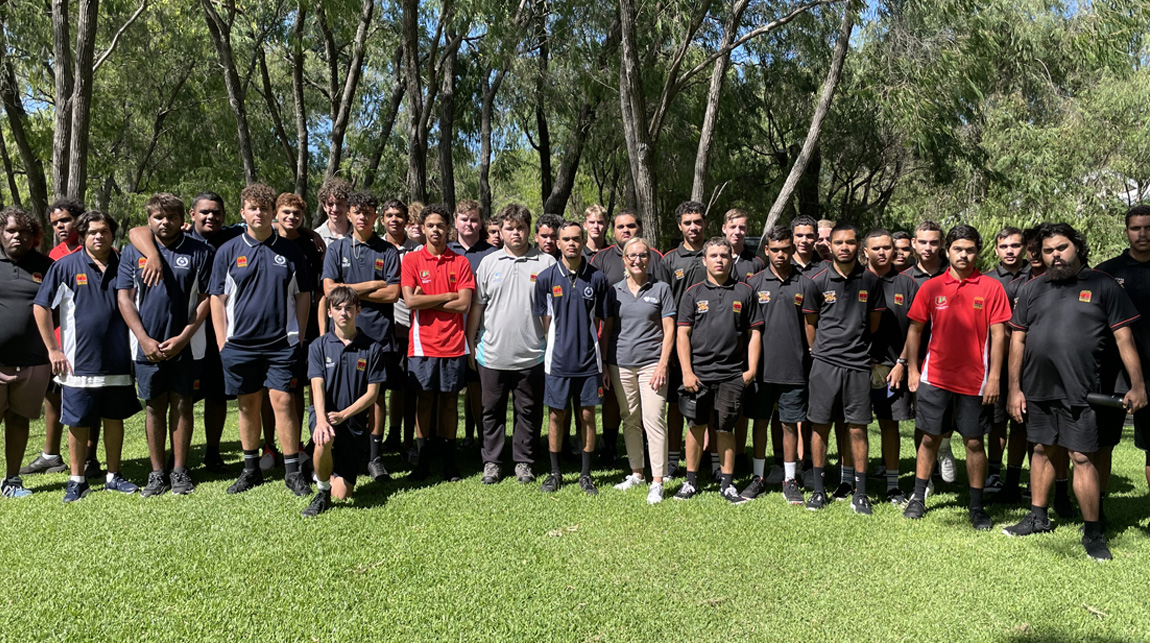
(490, 473)
(182, 483)
(774, 476)
(523, 473)
(157, 484)
(791, 492)
(13, 487)
(50, 464)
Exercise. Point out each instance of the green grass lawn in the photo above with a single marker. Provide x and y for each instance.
(470, 562)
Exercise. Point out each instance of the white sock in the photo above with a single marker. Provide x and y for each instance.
(323, 485)
(788, 470)
(76, 478)
(47, 455)
(109, 476)
(759, 464)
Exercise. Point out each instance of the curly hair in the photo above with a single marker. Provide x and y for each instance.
(260, 194)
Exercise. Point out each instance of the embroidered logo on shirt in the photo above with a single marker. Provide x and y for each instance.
(1121, 281)
(195, 385)
(182, 262)
(798, 299)
(830, 296)
(1084, 296)
(679, 273)
(588, 292)
(556, 291)
(82, 279)
(862, 296)
(451, 277)
(702, 306)
(737, 306)
(979, 303)
(241, 262)
(898, 298)
(533, 276)
(940, 300)
(764, 296)
(361, 364)
(379, 264)
(37, 277)
(141, 263)
(281, 260)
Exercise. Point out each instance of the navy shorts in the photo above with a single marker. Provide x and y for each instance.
(940, 411)
(248, 371)
(833, 388)
(896, 405)
(719, 406)
(87, 406)
(585, 391)
(761, 397)
(349, 449)
(1056, 422)
(172, 376)
(437, 374)
(209, 383)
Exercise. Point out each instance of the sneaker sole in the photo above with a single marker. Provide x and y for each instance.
(158, 493)
(82, 496)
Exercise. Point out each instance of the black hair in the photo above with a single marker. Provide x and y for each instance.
(209, 196)
(964, 232)
(362, 199)
(804, 219)
(780, 233)
(876, 233)
(689, 207)
(845, 227)
(1065, 230)
(74, 207)
(1141, 210)
(514, 212)
(395, 204)
(553, 221)
(92, 216)
(1008, 231)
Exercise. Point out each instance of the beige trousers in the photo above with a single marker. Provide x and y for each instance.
(641, 408)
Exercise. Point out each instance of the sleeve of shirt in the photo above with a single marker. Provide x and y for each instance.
(604, 294)
(753, 313)
(911, 291)
(315, 360)
(1120, 310)
(877, 303)
(668, 302)
(390, 266)
(687, 308)
(920, 306)
(813, 304)
(999, 306)
(46, 296)
(331, 268)
(539, 306)
(219, 273)
(1020, 319)
(126, 272)
(375, 370)
(407, 271)
(466, 278)
(480, 296)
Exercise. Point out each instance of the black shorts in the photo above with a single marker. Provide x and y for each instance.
(896, 405)
(1111, 422)
(172, 376)
(87, 406)
(940, 411)
(248, 370)
(760, 399)
(1058, 423)
(833, 387)
(349, 450)
(585, 391)
(719, 406)
(393, 372)
(436, 374)
(209, 382)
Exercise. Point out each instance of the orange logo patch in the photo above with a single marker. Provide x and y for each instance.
(142, 262)
(379, 264)
(737, 306)
(979, 303)
(37, 277)
(898, 298)
(830, 296)
(195, 385)
(533, 276)
(862, 296)
(1084, 296)
(798, 299)
(361, 364)
(556, 291)
(423, 274)
(451, 277)
(702, 306)
(600, 391)
(679, 273)
(294, 382)
(242, 262)
(940, 300)
(82, 279)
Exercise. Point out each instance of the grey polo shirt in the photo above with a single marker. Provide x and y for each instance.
(402, 314)
(637, 334)
(510, 337)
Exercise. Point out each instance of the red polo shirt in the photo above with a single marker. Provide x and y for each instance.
(960, 314)
(436, 333)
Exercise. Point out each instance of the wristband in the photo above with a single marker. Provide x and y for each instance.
(901, 361)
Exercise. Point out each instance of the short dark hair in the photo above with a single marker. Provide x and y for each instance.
(927, 226)
(514, 212)
(362, 199)
(964, 232)
(1032, 238)
(845, 227)
(395, 204)
(23, 219)
(1140, 210)
(164, 202)
(689, 207)
(436, 208)
(567, 223)
(290, 200)
(259, 193)
(553, 221)
(876, 233)
(341, 296)
(1065, 230)
(209, 196)
(804, 219)
(92, 216)
(718, 241)
(899, 235)
(1008, 231)
(628, 212)
(72, 206)
(780, 233)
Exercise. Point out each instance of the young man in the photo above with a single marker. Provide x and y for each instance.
(260, 296)
(547, 234)
(718, 323)
(24, 367)
(470, 244)
(841, 319)
(780, 292)
(823, 245)
(345, 368)
(891, 401)
(94, 365)
(369, 265)
(903, 251)
(333, 201)
(289, 220)
(508, 346)
(493, 237)
(958, 382)
(1011, 252)
(166, 322)
(401, 431)
(609, 260)
(1131, 270)
(595, 225)
(806, 232)
(62, 217)
(571, 298)
(437, 286)
(747, 262)
(1057, 368)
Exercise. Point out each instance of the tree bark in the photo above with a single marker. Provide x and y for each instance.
(158, 130)
(542, 79)
(64, 83)
(711, 115)
(842, 44)
(640, 149)
(274, 108)
(488, 88)
(416, 154)
(301, 134)
(221, 34)
(556, 200)
(9, 173)
(447, 129)
(17, 121)
(82, 98)
(387, 123)
(342, 112)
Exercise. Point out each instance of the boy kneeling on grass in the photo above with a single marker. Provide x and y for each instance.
(346, 368)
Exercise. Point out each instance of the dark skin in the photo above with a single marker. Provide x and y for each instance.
(779, 254)
(17, 240)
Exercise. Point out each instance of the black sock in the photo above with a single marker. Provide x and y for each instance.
(1013, 476)
(860, 482)
(252, 460)
(376, 446)
(820, 484)
(1062, 488)
(995, 469)
(448, 447)
(421, 451)
(920, 488)
(693, 478)
(1040, 512)
(975, 499)
(291, 464)
(586, 471)
(725, 480)
(1092, 527)
(554, 462)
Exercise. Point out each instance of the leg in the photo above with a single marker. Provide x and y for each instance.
(890, 444)
(250, 408)
(556, 428)
(77, 449)
(182, 437)
(611, 417)
(53, 428)
(113, 444)
(1086, 485)
(156, 430)
(287, 427)
(725, 442)
(425, 404)
(627, 383)
(976, 462)
(496, 387)
(694, 444)
(268, 419)
(860, 452)
(759, 439)
(1041, 474)
(448, 428)
(15, 442)
(652, 404)
(996, 445)
(215, 414)
(528, 402)
(1102, 462)
(587, 421)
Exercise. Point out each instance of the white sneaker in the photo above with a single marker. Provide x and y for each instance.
(946, 466)
(633, 480)
(774, 476)
(655, 494)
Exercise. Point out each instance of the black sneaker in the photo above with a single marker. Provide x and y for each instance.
(1063, 507)
(50, 464)
(182, 483)
(319, 504)
(248, 480)
(75, 490)
(861, 505)
(915, 508)
(298, 484)
(1096, 548)
(896, 497)
(376, 471)
(588, 486)
(733, 497)
(1030, 524)
(817, 501)
(672, 470)
(686, 492)
(1008, 496)
(552, 483)
(980, 520)
(214, 463)
(843, 492)
(420, 473)
(753, 490)
(451, 474)
(791, 492)
(157, 484)
(92, 469)
(467, 442)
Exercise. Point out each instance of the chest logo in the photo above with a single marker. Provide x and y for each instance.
(82, 279)
(798, 299)
(588, 292)
(379, 264)
(534, 276)
(451, 277)
(940, 300)
(702, 306)
(556, 291)
(241, 262)
(345, 262)
(361, 364)
(281, 260)
(830, 296)
(979, 303)
(328, 363)
(650, 300)
(899, 298)
(679, 273)
(764, 296)
(141, 263)
(37, 277)
(862, 296)
(737, 307)
(182, 262)
(1084, 296)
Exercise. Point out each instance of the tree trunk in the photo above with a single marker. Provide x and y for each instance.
(718, 75)
(221, 34)
(82, 98)
(808, 188)
(640, 150)
(387, 123)
(62, 72)
(447, 129)
(842, 44)
(340, 117)
(17, 121)
(416, 154)
(488, 89)
(274, 108)
(542, 79)
(556, 200)
(9, 172)
(301, 135)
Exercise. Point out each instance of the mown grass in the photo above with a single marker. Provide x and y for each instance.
(471, 562)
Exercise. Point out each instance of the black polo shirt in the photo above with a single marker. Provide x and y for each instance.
(226, 234)
(609, 261)
(1004, 276)
(785, 358)
(20, 343)
(920, 276)
(1134, 277)
(844, 305)
(747, 263)
(1068, 325)
(719, 318)
(811, 269)
(684, 269)
(1015, 287)
(898, 291)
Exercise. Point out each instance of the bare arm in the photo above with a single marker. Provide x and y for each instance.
(605, 326)
(417, 300)
(142, 239)
(302, 308)
(1136, 398)
(460, 305)
(683, 346)
(754, 353)
(1016, 402)
(812, 324)
(126, 299)
(219, 319)
(323, 432)
(659, 377)
(47, 328)
(173, 345)
(910, 350)
(357, 407)
(993, 388)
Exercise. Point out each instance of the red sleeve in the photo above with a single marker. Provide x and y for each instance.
(408, 270)
(923, 304)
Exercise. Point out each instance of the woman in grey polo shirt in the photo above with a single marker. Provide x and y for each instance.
(637, 357)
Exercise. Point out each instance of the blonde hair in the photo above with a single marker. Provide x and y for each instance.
(632, 242)
(735, 213)
(593, 210)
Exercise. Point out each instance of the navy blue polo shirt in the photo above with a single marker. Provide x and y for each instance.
(260, 281)
(226, 234)
(346, 371)
(474, 254)
(20, 342)
(93, 335)
(573, 301)
(844, 305)
(166, 309)
(348, 261)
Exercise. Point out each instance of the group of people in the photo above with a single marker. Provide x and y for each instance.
(824, 327)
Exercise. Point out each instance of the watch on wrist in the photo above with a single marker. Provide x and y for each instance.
(901, 361)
